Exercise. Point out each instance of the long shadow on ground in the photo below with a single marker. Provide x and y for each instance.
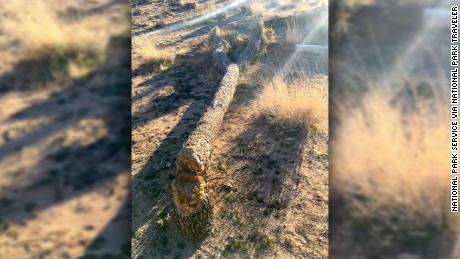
(152, 227)
(67, 172)
(265, 157)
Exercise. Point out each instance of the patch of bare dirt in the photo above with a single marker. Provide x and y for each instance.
(64, 146)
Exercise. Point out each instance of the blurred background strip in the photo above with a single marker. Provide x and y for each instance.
(64, 129)
(389, 149)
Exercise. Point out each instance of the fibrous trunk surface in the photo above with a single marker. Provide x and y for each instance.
(192, 207)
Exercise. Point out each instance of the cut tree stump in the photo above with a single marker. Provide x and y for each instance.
(193, 211)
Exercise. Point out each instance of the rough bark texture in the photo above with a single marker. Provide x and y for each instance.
(220, 49)
(191, 205)
(253, 47)
(196, 225)
(193, 211)
(196, 151)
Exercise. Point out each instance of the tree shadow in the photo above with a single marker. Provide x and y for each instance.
(187, 82)
(253, 182)
(152, 226)
(269, 154)
(37, 75)
(72, 170)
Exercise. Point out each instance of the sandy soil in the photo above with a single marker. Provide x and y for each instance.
(268, 182)
(64, 149)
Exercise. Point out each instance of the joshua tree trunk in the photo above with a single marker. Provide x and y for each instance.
(193, 212)
(252, 48)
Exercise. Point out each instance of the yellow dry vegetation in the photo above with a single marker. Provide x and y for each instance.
(162, 58)
(75, 45)
(38, 28)
(303, 101)
(258, 8)
(394, 159)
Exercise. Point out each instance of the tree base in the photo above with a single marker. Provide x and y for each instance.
(195, 226)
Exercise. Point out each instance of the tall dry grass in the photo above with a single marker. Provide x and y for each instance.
(258, 8)
(308, 27)
(207, 6)
(391, 167)
(161, 58)
(73, 47)
(389, 163)
(393, 158)
(302, 101)
(38, 28)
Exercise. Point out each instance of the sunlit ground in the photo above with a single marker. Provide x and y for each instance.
(64, 168)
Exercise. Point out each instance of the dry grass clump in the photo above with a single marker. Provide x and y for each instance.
(270, 36)
(301, 102)
(308, 27)
(396, 157)
(72, 48)
(39, 29)
(206, 6)
(392, 170)
(160, 58)
(257, 8)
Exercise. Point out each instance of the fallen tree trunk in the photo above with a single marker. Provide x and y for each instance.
(221, 47)
(252, 48)
(193, 212)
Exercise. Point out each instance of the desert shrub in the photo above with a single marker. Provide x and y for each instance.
(160, 58)
(72, 47)
(302, 101)
(390, 167)
(39, 29)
